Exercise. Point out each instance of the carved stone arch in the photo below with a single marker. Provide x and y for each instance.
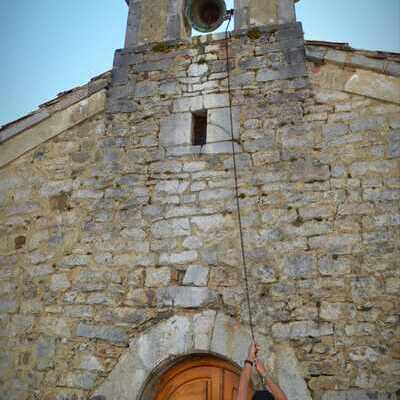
(181, 335)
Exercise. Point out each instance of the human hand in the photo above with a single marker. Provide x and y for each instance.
(260, 367)
(253, 350)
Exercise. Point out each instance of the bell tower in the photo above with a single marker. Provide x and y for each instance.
(151, 21)
(252, 13)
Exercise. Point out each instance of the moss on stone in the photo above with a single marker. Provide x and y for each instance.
(254, 34)
(298, 221)
(163, 47)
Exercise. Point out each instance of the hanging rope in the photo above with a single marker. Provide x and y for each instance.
(242, 250)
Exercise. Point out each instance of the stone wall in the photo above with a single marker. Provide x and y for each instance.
(120, 224)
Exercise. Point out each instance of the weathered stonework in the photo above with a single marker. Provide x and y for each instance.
(119, 239)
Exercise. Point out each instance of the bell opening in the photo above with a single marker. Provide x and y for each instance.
(205, 15)
(210, 13)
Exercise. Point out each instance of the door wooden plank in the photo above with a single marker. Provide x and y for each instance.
(200, 378)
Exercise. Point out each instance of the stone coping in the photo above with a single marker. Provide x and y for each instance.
(48, 126)
(342, 54)
(63, 101)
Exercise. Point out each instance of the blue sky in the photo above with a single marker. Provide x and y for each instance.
(49, 46)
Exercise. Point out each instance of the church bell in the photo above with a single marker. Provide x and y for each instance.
(206, 15)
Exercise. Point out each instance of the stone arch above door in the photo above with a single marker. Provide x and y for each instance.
(151, 351)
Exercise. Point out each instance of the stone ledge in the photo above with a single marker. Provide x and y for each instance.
(63, 101)
(358, 81)
(51, 126)
(384, 63)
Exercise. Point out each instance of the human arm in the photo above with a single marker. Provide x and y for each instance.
(274, 388)
(246, 373)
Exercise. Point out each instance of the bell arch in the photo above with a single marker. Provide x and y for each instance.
(208, 332)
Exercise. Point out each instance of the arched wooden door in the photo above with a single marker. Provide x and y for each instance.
(200, 378)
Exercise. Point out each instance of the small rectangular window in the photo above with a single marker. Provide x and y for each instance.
(199, 134)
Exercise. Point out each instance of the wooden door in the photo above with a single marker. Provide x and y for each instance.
(200, 378)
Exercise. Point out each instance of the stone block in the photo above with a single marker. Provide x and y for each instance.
(172, 186)
(74, 261)
(176, 130)
(59, 282)
(377, 86)
(102, 332)
(157, 277)
(335, 56)
(184, 257)
(216, 100)
(8, 305)
(381, 167)
(242, 79)
(198, 69)
(336, 244)
(45, 352)
(90, 363)
(356, 394)
(220, 148)
(290, 374)
(299, 329)
(196, 275)
(290, 71)
(203, 325)
(394, 143)
(171, 337)
(208, 223)
(333, 267)
(185, 297)
(79, 379)
(54, 188)
(171, 228)
(219, 124)
(146, 89)
(299, 266)
(185, 104)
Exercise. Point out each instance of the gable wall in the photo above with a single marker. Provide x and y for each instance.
(117, 228)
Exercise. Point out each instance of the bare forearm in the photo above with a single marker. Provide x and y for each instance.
(244, 382)
(275, 390)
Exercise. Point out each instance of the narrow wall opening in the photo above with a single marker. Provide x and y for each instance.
(199, 128)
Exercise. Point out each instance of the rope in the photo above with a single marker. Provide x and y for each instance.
(242, 250)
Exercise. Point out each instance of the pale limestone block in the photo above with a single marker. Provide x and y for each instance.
(216, 100)
(178, 258)
(176, 130)
(230, 338)
(196, 275)
(203, 325)
(90, 362)
(185, 104)
(289, 373)
(59, 282)
(126, 378)
(219, 124)
(208, 223)
(220, 148)
(186, 297)
(156, 277)
(372, 84)
(172, 337)
(198, 69)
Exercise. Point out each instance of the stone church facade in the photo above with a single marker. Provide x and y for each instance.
(119, 239)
